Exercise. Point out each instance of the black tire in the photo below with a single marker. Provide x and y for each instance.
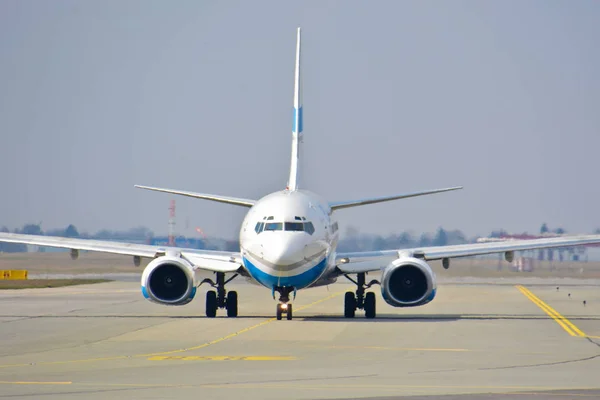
(211, 304)
(349, 305)
(289, 312)
(278, 312)
(370, 305)
(232, 304)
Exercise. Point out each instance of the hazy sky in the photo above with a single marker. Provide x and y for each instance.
(501, 97)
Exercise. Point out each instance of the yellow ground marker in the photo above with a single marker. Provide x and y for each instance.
(555, 315)
(13, 274)
(221, 358)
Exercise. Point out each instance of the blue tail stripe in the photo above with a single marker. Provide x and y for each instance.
(297, 120)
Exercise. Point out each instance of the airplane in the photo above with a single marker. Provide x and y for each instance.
(288, 242)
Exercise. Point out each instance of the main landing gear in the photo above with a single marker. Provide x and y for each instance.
(284, 307)
(361, 300)
(221, 298)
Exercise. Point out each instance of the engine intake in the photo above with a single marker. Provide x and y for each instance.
(169, 280)
(408, 282)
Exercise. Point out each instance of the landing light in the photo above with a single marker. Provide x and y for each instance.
(284, 306)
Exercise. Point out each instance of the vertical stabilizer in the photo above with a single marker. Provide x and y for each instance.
(297, 121)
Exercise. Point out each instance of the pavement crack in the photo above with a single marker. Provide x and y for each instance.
(541, 364)
(577, 360)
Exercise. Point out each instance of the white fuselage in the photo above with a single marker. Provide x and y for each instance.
(288, 239)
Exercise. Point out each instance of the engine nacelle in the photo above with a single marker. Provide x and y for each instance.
(408, 282)
(169, 280)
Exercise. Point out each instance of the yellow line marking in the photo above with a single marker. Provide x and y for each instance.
(203, 345)
(387, 348)
(555, 315)
(222, 358)
(593, 337)
(236, 333)
(34, 383)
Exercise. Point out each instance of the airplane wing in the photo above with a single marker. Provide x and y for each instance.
(218, 261)
(336, 205)
(213, 197)
(376, 260)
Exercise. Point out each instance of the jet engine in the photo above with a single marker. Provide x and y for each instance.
(408, 282)
(169, 280)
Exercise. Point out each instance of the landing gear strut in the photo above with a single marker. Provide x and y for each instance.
(221, 298)
(360, 300)
(284, 297)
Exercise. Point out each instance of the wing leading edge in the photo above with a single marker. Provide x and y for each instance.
(337, 205)
(219, 261)
(374, 260)
(213, 197)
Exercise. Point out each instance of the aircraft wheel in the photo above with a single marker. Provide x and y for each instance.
(370, 305)
(211, 304)
(278, 312)
(289, 312)
(232, 304)
(349, 305)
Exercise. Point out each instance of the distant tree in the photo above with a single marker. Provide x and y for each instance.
(441, 238)
(379, 243)
(425, 240)
(544, 228)
(71, 231)
(32, 229)
(560, 231)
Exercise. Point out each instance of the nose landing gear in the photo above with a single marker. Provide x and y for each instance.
(284, 297)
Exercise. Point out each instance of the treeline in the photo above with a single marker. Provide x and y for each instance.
(352, 240)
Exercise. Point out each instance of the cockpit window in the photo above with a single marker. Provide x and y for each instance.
(294, 226)
(309, 228)
(304, 226)
(273, 226)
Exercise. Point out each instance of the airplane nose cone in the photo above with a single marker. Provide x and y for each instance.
(284, 249)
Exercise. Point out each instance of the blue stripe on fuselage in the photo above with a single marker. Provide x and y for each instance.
(298, 281)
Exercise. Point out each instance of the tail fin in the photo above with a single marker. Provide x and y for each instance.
(297, 124)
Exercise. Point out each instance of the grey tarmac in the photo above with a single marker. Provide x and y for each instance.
(484, 340)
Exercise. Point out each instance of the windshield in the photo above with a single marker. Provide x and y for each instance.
(296, 226)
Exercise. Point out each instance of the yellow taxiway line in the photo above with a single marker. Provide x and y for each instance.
(555, 315)
(161, 355)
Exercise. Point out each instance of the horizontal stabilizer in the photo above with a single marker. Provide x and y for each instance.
(213, 197)
(355, 203)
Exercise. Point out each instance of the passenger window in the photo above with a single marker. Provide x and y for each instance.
(309, 228)
(294, 226)
(273, 226)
